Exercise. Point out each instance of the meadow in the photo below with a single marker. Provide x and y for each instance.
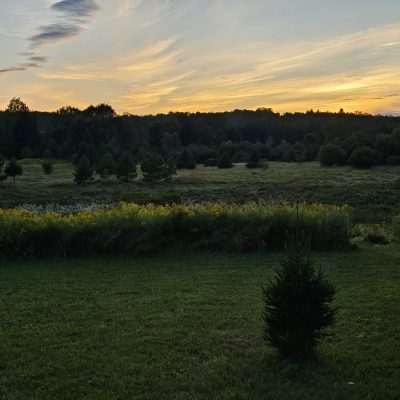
(373, 193)
(189, 326)
(175, 312)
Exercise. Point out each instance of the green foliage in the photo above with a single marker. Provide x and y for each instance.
(126, 169)
(186, 160)
(106, 165)
(130, 228)
(297, 304)
(371, 233)
(83, 171)
(156, 169)
(363, 157)
(331, 155)
(16, 105)
(254, 161)
(13, 169)
(225, 160)
(47, 167)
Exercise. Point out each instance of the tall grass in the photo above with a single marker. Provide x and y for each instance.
(132, 229)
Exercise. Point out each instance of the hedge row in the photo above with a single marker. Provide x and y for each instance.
(134, 229)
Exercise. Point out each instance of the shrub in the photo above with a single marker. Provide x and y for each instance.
(47, 167)
(106, 165)
(126, 168)
(225, 160)
(156, 169)
(13, 169)
(331, 155)
(363, 157)
(254, 161)
(132, 229)
(297, 304)
(186, 160)
(83, 171)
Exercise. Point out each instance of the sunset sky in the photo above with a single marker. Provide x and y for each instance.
(150, 56)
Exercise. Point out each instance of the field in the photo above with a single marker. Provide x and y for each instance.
(373, 193)
(189, 327)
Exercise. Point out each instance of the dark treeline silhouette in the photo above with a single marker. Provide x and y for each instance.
(98, 132)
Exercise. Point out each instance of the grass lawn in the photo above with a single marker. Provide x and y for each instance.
(373, 193)
(189, 327)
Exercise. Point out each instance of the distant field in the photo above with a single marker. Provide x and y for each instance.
(189, 327)
(373, 193)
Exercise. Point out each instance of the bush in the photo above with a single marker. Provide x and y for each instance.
(331, 155)
(126, 168)
(225, 161)
(132, 229)
(13, 169)
(156, 169)
(254, 161)
(83, 171)
(297, 304)
(186, 160)
(106, 166)
(363, 157)
(47, 167)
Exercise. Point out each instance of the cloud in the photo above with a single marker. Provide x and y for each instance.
(54, 33)
(12, 69)
(74, 15)
(76, 8)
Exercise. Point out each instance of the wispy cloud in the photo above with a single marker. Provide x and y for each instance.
(72, 15)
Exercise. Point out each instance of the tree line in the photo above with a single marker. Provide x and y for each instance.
(103, 138)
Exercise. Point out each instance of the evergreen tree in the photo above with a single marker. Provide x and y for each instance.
(254, 161)
(225, 160)
(186, 160)
(106, 165)
(297, 304)
(13, 169)
(155, 168)
(83, 171)
(126, 168)
(47, 167)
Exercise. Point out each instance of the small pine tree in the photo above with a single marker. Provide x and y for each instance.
(186, 160)
(225, 160)
(297, 304)
(47, 167)
(155, 168)
(13, 169)
(126, 168)
(106, 166)
(83, 171)
(254, 161)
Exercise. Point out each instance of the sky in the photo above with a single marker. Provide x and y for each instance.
(156, 56)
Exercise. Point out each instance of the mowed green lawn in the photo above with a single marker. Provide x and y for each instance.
(190, 327)
(373, 193)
